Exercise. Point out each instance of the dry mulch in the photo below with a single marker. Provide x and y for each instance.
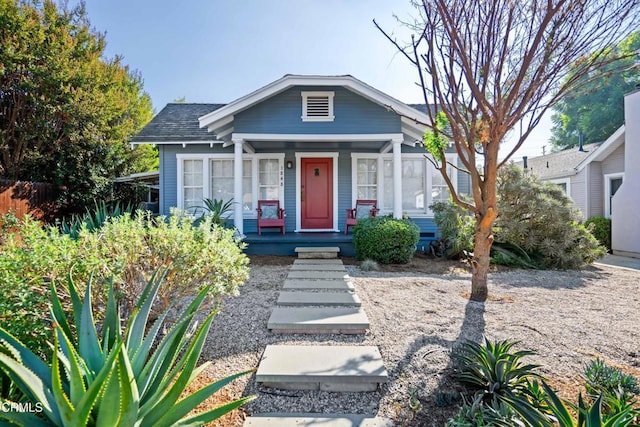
(418, 313)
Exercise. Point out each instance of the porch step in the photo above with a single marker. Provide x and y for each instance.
(316, 274)
(317, 261)
(318, 320)
(319, 298)
(329, 284)
(317, 267)
(327, 368)
(317, 252)
(324, 420)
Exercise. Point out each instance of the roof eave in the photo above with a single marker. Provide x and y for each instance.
(614, 141)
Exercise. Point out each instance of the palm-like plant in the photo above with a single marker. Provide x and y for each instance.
(218, 210)
(118, 377)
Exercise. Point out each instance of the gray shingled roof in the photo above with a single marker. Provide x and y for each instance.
(177, 122)
(560, 164)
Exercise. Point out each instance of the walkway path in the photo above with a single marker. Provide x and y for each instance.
(318, 298)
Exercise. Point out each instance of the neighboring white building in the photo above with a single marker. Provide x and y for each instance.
(603, 179)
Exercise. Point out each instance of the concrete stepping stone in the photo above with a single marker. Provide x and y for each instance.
(318, 267)
(316, 274)
(324, 420)
(317, 252)
(327, 368)
(319, 298)
(329, 284)
(318, 320)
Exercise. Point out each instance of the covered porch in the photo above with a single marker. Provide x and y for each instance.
(273, 243)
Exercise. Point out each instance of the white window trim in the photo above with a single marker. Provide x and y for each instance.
(607, 191)
(306, 95)
(429, 170)
(206, 175)
(566, 182)
(299, 157)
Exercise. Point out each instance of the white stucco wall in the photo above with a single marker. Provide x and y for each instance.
(626, 203)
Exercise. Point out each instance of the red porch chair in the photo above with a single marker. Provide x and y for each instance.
(270, 215)
(363, 209)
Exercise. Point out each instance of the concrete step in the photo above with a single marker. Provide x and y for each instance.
(329, 284)
(317, 261)
(324, 420)
(317, 252)
(319, 298)
(318, 320)
(327, 368)
(318, 267)
(316, 274)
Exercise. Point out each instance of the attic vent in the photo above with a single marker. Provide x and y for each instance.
(317, 106)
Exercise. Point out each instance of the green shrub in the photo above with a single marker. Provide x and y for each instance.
(617, 387)
(540, 218)
(126, 249)
(456, 227)
(123, 376)
(385, 239)
(600, 227)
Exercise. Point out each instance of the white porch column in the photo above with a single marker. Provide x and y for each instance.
(237, 185)
(397, 178)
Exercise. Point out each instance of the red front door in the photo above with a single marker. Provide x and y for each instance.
(316, 193)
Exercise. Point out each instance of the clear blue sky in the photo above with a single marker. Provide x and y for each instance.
(219, 50)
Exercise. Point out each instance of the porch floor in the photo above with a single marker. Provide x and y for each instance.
(275, 243)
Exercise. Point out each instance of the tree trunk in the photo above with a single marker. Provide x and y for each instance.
(481, 258)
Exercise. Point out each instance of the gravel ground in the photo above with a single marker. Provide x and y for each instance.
(417, 315)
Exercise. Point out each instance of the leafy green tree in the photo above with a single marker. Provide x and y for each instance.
(596, 107)
(67, 113)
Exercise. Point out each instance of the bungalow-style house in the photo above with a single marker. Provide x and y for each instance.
(603, 179)
(316, 144)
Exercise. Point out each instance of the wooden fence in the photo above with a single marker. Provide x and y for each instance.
(22, 197)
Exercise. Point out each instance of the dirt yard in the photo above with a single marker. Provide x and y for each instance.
(418, 313)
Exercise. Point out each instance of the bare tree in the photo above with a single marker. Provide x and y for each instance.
(490, 66)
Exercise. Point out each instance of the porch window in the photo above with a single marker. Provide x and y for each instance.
(221, 179)
(413, 185)
(193, 184)
(367, 183)
(422, 183)
(439, 189)
(211, 176)
(269, 179)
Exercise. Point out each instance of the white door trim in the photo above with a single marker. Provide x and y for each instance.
(299, 157)
(607, 191)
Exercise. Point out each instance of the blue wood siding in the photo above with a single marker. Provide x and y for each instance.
(282, 114)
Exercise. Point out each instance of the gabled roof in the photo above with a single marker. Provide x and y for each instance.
(177, 123)
(560, 164)
(609, 146)
(571, 161)
(221, 118)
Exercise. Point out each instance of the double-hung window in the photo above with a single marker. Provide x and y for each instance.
(422, 183)
(212, 176)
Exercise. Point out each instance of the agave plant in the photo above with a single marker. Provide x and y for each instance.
(218, 210)
(494, 368)
(94, 219)
(120, 377)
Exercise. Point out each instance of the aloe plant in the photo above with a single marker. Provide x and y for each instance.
(120, 377)
(217, 209)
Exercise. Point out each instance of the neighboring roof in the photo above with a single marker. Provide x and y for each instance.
(609, 146)
(571, 161)
(177, 123)
(141, 177)
(219, 120)
(560, 164)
